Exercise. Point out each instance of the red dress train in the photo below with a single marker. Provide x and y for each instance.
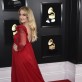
(24, 64)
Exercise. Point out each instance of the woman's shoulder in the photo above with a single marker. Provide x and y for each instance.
(21, 27)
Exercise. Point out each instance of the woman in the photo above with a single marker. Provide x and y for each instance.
(24, 65)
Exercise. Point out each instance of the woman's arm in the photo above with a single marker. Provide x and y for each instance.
(21, 40)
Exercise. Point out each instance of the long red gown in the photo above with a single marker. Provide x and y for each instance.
(24, 64)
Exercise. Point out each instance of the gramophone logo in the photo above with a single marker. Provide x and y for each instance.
(15, 3)
(14, 29)
(51, 44)
(51, 15)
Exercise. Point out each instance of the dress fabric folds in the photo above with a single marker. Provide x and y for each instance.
(24, 64)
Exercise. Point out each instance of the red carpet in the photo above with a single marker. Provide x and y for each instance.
(62, 81)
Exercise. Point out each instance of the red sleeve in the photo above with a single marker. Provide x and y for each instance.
(22, 39)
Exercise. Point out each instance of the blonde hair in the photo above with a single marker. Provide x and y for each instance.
(31, 21)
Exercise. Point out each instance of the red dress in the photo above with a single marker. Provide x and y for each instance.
(24, 64)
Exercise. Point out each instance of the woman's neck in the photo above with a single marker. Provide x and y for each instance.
(25, 24)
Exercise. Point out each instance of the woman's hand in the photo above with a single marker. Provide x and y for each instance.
(15, 47)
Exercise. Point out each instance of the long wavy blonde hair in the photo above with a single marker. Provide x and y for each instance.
(31, 21)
